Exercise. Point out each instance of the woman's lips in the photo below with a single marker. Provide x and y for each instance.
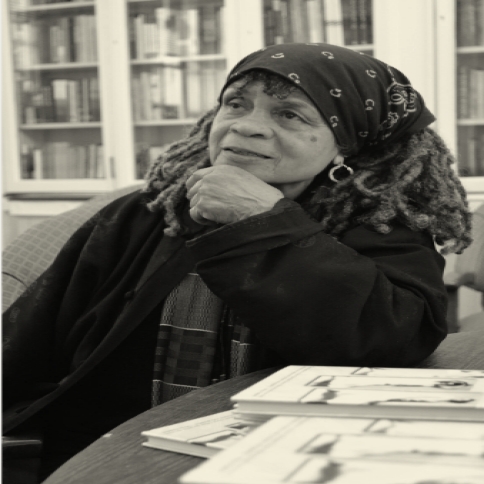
(244, 152)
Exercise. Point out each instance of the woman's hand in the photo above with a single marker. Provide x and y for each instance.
(225, 194)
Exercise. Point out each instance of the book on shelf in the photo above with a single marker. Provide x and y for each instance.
(349, 451)
(299, 20)
(351, 21)
(365, 392)
(201, 437)
(333, 22)
(365, 22)
(470, 92)
(470, 22)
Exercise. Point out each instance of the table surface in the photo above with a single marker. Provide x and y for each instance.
(119, 457)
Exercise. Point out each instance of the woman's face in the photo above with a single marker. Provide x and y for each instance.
(284, 142)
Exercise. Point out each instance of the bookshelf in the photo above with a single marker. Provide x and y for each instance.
(142, 71)
(460, 71)
(470, 87)
(55, 93)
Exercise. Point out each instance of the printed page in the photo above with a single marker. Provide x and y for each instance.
(317, 450)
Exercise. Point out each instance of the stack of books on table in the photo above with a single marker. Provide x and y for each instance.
(345, 425)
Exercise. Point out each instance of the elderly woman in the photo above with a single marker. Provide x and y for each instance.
(294, 225)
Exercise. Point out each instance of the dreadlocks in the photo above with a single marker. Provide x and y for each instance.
(410, 181)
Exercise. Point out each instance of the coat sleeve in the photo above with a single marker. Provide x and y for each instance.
(83, 286)
(369, 299)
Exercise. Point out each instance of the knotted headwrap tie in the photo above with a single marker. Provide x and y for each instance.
(364, 101)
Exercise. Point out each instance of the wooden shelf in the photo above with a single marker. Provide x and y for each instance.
(472, 49)
(362, 47)
(165, 122)
(40, 126)
(177, 60)
(55, 7)
(470, 122)
(64, 66)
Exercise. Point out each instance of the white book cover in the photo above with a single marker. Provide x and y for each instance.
(367, 392)
(346, 451)
(201, 437)
(193, 90)
(333, 19)
(316, 33)
(38, 163)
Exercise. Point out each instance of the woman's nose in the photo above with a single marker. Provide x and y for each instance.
(253, 125)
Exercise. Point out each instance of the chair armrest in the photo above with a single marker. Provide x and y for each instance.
(22, 445)
(21, 456)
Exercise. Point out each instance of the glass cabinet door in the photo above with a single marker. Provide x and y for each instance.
(178, 66)
(55, 62)
(470, 87)
(339, 22)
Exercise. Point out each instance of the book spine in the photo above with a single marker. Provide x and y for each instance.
(59, 91)
(191, 32)
(94, 100)
(193, 91)
(145, 95)
(479, 22)
(365, 27)
(100, 167)
(350, 21)
(94, 41)
(298, 21)
(155, 92)
(38, 164)
(315, 21)
(162, 15)
(463, 92)
(132, 37)
(208, 29)
(287, 33)
(466, 23)
(333, 17)
(136, 96)
(26, 162)
(72, 104)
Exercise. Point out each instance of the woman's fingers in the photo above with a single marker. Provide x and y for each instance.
(197, 176)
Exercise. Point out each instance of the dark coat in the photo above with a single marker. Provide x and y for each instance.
(369, 299)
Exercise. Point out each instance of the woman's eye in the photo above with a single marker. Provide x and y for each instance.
(234, 104)
(290, 115)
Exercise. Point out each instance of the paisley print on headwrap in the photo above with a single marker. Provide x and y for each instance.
(363, 100)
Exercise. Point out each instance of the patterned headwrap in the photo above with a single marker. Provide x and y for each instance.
(363, 100)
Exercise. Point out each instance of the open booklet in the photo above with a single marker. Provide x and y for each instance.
(350, 451)
(365, 392)
(201, 437)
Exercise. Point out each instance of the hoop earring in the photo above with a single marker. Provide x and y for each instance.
(339, 162)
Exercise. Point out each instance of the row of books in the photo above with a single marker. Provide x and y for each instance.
(341, 425)
(470, 92)
(61, 101)
(176, 92)
(340, 22)
(470, 22)
(165, 31)
(61, 160)
(53, 40)
(471, 154)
